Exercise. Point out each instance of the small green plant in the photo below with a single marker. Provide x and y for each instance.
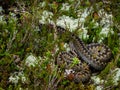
(74, 62)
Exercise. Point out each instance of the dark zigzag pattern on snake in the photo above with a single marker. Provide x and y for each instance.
(94, 55)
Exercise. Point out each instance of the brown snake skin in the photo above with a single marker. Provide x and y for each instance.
(94, 55)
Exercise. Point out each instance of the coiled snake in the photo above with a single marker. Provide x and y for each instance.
(94, 55)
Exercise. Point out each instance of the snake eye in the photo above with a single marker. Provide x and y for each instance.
(98, 50)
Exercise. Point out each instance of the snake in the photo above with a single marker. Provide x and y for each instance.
(88, 57)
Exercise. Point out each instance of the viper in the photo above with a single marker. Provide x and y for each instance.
(94, 55)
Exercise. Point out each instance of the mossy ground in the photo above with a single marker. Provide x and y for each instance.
(20, 36)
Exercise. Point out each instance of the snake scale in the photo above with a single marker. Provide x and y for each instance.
(94, 55)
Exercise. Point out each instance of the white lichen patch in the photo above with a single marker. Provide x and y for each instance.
(116, 76)
(2, 20)
(1, 9)
(46, 17)
(31, 61)
(65, 6)
(69, 22)
(42, 4)
(66, 46)
(113, 77)
(97, 80)
(82, 14)
(72, 24)
(16, 77)
(106, 22)
(99, 88)
(68, 71)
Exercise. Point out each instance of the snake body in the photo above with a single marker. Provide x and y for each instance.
(94, 55)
